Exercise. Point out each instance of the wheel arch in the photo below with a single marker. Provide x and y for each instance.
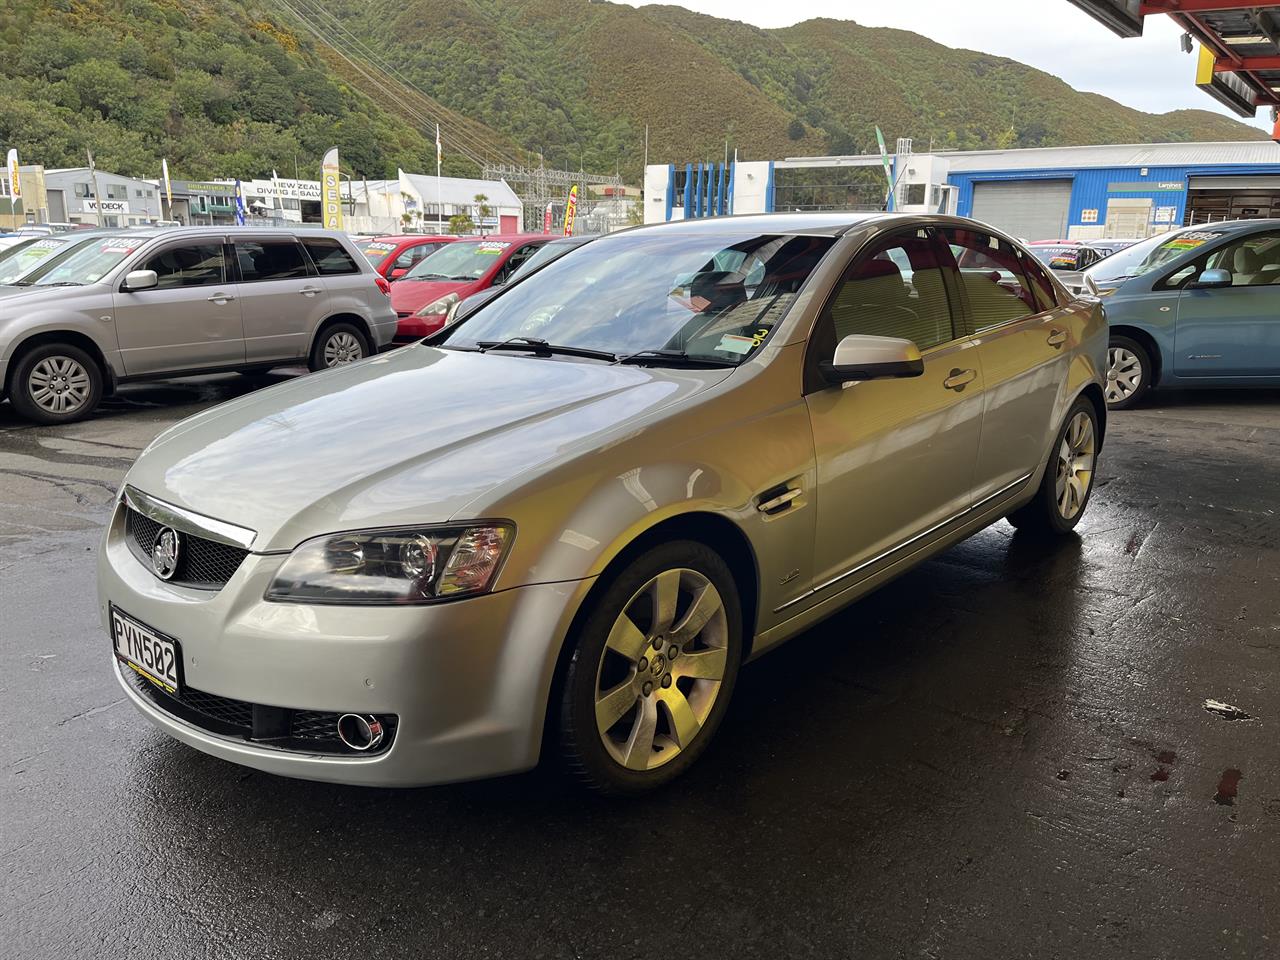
(343, 317)
(1093, 393)
(711, 529)
(1148, 343)
(70, 337)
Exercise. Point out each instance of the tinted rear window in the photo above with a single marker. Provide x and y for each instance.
(330, 256)
(270, 259)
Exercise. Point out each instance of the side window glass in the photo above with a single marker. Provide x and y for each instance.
(1176, 279)
(894, 290)
(270, 260)
(1046, 298)
(512, 264)
(992, 277)
(1252, 262)
(196, 265)
(329, 256)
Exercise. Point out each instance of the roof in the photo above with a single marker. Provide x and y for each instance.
(460, 191)
(1240, 43)
(1119, 155)
(406, 237)
(825, 224)
(505, 238)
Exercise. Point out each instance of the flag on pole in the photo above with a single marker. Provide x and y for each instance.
(168, 186)
(571, 210)
(15, 175)
(239, 204)
(546, 219)
(331, 191)
(888, 169)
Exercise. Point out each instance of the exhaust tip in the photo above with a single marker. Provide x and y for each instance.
(360, 732)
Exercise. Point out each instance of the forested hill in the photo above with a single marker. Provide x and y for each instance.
(224, 87)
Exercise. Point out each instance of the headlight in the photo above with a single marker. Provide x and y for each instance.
(437, 307)
(393, 566)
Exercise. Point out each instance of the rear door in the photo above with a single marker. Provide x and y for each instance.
(281, 297)
(189, 320)
(1023, 342)
(1232, 331)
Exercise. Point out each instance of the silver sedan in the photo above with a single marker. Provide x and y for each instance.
(565, 521)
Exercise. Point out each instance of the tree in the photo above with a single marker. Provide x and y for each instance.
(483, 210)
(460, 224)
(795, 129)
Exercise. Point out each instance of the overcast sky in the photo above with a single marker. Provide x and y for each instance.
(1149, 73)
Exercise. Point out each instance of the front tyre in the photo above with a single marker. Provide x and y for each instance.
(652, 671)
(1068, 480)
(1128, 373)
(56, 383)
(338, 344)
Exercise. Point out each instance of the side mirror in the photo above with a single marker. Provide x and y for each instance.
(860, 357)
(1211, 279)
(136, 280)
(397, 273)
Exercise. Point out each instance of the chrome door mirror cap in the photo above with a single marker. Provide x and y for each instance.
(136, 280)
(862, 357)
(1210, 279)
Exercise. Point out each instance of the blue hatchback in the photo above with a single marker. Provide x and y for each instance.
(1197, 307)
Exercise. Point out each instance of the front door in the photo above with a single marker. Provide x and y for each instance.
(281, 298)
(189, 320)
(1233, 331)
(895, 458)
(1023, 341)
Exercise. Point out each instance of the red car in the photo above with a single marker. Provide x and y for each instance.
(422, 297)
(394, 256)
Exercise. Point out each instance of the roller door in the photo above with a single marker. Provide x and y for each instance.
(1027, 209)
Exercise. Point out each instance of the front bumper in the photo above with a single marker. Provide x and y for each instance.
(468, 680)
(413, 327)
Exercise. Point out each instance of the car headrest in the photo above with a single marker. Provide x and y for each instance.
(873, 269)
(1246, 261)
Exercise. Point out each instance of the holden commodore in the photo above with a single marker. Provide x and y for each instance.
(644, 465)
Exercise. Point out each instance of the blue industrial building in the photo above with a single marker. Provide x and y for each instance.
(1089, 192)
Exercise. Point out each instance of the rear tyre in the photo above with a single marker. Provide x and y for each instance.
(1129, 373)
(652, 671)
(55, 383)
(338, 344)
(1068, 480)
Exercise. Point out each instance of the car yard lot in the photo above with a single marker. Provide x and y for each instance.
(1004, 753)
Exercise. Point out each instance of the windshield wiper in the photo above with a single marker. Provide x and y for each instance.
(63, 283)
(428, 276)
(675, 358)
(544, 348)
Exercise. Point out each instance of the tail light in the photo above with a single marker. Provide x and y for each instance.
(383, 284)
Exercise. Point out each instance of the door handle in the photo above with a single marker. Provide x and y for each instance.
(777, 503)
(308, 291)
(1057, 338)
(959, 378)
(221, 298)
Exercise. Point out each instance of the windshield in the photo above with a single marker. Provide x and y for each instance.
(1150, 254)
(463, 261)
(88, 263)
(375, 251)
(710, 297)
(21, 259)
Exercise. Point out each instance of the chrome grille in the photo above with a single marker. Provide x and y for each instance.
(205, 564)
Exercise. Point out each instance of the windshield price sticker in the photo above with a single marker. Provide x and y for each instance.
(381, 246)
(47, 244)
(732, 343)
(1189, 241)
(492, 247)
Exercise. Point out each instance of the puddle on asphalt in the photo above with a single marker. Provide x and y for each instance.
(1227, 786)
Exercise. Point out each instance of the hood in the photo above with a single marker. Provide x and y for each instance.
(407, 296)
(412, 436)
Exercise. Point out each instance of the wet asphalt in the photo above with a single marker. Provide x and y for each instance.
(1005, 753)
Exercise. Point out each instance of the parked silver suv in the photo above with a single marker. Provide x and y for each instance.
(159, 303)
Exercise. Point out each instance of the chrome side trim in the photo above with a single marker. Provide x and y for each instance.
(187, 521)
(906, 543)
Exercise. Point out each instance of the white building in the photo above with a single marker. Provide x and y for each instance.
(431, 201)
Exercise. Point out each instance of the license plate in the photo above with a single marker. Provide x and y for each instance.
(154, 656)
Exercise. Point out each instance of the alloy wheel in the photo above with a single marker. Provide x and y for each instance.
(59, 385)
(1075, 466)
(342, 348)
(661, 669)
(1124, 374)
